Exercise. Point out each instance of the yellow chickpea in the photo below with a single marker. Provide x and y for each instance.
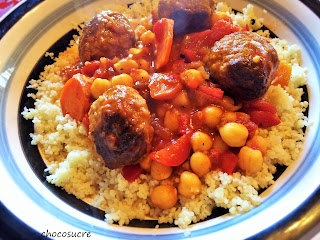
(164, 196)
(143, 64)
(229, 117)
(140, 75)
(146, 23)
(138, 31)
(181, 100)
(218, 143)
(136, 52)
(212, 116)
(250, 160)
(258, 142)
(125, 65)
(201, 141)
(147, 37)
(145, 163)
(99, 86)
(204, 73)
(189, 185)
(200, 163)
(171, 121)
(234, 134)
(122, 79)
(160, 171)
(192, 78)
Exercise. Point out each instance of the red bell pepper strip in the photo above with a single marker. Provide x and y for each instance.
(163, 30)
(175, 153)
(264, 119)
(184, 123)
(90, 68)
(131, 172)
(258, 105)
(213, 92)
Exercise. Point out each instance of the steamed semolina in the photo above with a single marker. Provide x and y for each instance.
(75, 166)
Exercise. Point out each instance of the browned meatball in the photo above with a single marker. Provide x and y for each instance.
(108, 34)
(244, 64)
(120, 126)
(188, 15)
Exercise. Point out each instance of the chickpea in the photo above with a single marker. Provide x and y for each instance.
(125, 65)
(145, 163)
(99, 86)
(160, 171)
(201, 141)
(122, 79)
(203, 72)
(164, 196)
(192, 78)
(200, 163)
(258, 142)
(143, 64)
(182, 100)
(147, 37)
(229, 117)
(234, 134)
(189, 185)
(212, 116)
(138, 31)
(146, 23)
(136, 52)
(250, 160)
(171, 121)
(140, 75)
(218, 143)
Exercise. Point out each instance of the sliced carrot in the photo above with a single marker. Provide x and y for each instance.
(75, 97)
(163, 30)
(282, 75)
(164, 86)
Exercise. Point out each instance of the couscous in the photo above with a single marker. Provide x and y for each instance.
(149, 117)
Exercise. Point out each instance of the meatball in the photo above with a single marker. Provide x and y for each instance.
(188, 15)
(120, 126)
(244, 64)
(108, 34)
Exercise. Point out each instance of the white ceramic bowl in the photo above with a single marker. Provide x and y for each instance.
(42, 207)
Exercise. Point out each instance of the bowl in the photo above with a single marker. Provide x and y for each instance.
(48, 26)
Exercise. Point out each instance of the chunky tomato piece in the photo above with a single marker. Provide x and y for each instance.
(175, 153)
(229, 162)
(212, 91)
(184, 123)
(222, 28)
(215, 156)
(193, 45)
(164, 86)
(131, 172)
(90, 68)
(163, 30)
(176, 67)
